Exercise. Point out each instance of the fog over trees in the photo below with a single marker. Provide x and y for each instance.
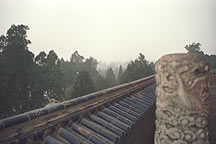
(28, 82)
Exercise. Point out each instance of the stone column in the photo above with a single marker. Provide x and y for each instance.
(182, 99)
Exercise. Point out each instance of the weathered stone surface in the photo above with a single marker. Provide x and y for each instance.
(182, 99)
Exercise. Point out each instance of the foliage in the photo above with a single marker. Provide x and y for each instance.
(120, 75)
(28, 82)
(76, 58)
(83, 85)
(71, 69)
(196, 48)
(51, 76)
(17, 72)
(110, 77)
(137, 69)
(101, 83)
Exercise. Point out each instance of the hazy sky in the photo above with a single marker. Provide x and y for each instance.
(113, 30)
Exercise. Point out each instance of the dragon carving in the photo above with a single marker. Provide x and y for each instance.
(182, 99)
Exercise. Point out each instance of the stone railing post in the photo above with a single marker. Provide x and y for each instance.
(182, 99)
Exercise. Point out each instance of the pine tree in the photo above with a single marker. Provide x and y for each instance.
(83, 85)
(17, 69)
(120, 75)
(137, 69)
(110, 77)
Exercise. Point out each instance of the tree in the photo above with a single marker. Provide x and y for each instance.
(40, 59)
(78, 63)
(90, 65)
(137, 69)
(152, 68)
(83, 85)
(55, 86)
(120, 75)
(101, 83)
(52, 78)
(110, 77)
(17, 67)
(194, 47)
(2, 43)
(27, 83)
(76, 58)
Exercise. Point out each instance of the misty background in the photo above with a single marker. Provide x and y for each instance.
(55, 50)
(114, 30)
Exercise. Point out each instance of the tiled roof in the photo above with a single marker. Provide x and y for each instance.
(107, 116)
(108, 125)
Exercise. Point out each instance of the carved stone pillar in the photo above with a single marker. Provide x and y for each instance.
(182, 99)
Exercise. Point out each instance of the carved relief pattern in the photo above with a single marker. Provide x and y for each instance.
(182, 99)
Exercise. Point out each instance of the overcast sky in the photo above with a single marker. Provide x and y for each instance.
(113, 30)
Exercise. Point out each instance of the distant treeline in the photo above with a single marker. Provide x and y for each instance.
(28, 82)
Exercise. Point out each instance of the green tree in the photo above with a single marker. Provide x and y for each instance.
(40, 59)
(17, 67)
(27, 83)
(101, 83)
(120, 75)
(76, 58)
(55, 86)
(137, 69)
(152, 68)
(76, 64)
(41, 79)
(194, 47)
(83, 85)
(110, 77)
(90, 65)
(52, 78)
